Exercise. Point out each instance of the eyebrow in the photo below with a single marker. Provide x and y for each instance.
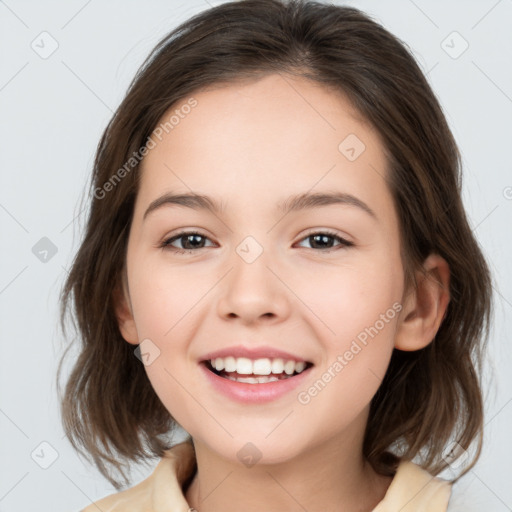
(292, 204)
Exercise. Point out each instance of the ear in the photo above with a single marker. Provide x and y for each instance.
(124, 313)
(424, 307)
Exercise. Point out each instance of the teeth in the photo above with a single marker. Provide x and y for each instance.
(265, 366)
(264, 379)
(277, 366)
(261, 367)
(243, 366)
(299, 367)
(289, 367)
(230, 364)
(254, 380)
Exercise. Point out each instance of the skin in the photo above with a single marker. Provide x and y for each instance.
(251, 145)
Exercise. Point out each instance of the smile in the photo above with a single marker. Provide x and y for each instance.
(255, 381)
(258, 371)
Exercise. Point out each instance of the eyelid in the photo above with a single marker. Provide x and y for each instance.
(325, 231)
(329, 232)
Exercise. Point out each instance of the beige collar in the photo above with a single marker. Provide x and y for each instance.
(412, 489)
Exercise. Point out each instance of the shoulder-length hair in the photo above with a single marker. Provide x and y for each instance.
(428, 397)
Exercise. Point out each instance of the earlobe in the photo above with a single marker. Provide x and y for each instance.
(124, 314)
(425, 307)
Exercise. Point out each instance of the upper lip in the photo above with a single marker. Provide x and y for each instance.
(252, 353)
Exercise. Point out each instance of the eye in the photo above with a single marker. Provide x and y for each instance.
(191, 241)
(321, 239)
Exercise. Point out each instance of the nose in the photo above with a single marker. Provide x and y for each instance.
(253, 292)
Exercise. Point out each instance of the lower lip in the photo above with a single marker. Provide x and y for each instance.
(254, 393)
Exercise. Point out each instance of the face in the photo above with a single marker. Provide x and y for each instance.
(322, 281)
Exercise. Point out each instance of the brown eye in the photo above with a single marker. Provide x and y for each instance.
(190, 241)
(324, 240)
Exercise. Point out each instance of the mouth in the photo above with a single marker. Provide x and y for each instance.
(259, 371)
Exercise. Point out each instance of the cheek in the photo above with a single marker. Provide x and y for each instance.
(166, 304)
(351, 297)
(163, 297)
(355, 364)
(358, 307)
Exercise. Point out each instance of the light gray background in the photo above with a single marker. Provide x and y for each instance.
(53, 111)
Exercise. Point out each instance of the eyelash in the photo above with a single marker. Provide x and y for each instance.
(166, 243)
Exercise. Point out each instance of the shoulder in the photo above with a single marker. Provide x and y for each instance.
(161, 488)
(414, 489)
(125, 501)
(133, 499)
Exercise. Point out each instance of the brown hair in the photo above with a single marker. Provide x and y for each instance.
(428, 397)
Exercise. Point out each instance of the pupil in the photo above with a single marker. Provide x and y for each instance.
(323, 238)
(188, 238)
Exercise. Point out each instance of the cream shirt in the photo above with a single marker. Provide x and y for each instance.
(412, 489)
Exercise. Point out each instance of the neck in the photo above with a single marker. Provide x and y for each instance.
(330, 474)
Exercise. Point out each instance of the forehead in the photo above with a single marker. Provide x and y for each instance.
(265, 139)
